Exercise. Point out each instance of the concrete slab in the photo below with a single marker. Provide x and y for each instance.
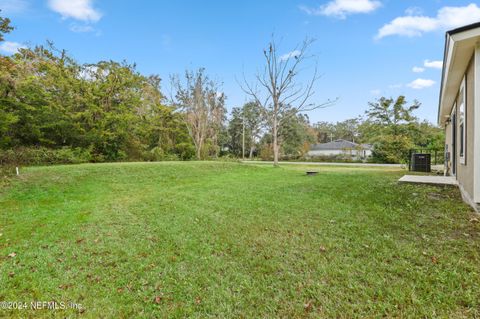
(429, 179)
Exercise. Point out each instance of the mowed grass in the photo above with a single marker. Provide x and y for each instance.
(211, 239)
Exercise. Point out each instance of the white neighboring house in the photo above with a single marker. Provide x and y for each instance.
(341, 148)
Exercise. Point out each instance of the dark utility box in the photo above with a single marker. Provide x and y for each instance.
(421, 162)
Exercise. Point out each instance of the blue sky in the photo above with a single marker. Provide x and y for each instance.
(365, 48)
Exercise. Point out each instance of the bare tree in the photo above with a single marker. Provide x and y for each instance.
(203, 104)
(279, 92)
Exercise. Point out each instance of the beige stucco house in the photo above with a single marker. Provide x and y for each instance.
(459, 109)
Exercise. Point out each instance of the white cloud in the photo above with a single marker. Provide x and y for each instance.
(417, 69)
(376, 92)
(433, 64)
(76, 9)
(453, 17)
(342, 8)
(289, 55)
(13, 6)
(414, 11)
(10, 47)
(419, 84)
(416, 24)
(409, 26)
(81, 28)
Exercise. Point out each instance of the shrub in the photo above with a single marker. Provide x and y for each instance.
(266, 152)
(24, 156)
(338, 158)
(185, 151)
(392, 149)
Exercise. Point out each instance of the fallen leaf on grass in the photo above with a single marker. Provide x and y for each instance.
(308, 306)
(472, 220)
(434, 259)
(11, 274)
(11, 255)
(434, 196)
(323, 249)
(80, 240)
(158, 299)
(198, 300)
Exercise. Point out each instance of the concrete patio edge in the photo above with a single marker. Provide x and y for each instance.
(429, 180)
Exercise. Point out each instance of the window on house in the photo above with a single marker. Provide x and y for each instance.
(461, 123)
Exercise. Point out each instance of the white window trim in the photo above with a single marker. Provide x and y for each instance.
(463, 120)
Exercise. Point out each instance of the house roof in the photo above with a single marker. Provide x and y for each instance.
(459, 47)
(337, 145)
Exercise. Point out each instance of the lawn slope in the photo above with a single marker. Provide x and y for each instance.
(199, 239)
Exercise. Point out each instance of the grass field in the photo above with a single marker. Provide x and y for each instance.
(233, 240)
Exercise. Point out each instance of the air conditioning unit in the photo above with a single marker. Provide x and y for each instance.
(421, 162)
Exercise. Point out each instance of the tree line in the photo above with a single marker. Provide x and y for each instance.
(54, 109)
(388, 125)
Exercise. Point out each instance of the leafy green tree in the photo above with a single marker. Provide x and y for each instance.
(392, 114)
(345, 130)
(295, 135)
(108, 108)
(5, 27)
(203, 106)
(389, 122)
(246, 120)
(325, 131)
(348, 130)
(235, 132)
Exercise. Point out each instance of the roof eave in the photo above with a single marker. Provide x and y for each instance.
(459, 43)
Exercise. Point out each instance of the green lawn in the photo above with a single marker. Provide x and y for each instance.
(235, 240)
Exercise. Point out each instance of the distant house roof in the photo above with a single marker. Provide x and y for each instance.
(337, 145)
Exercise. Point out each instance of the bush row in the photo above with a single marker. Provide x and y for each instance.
(26, 156)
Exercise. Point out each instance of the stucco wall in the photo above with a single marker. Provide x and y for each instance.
(465, 171)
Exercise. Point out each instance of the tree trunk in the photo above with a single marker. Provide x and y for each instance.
(199, 152)
(275, 142)
(251, 152)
